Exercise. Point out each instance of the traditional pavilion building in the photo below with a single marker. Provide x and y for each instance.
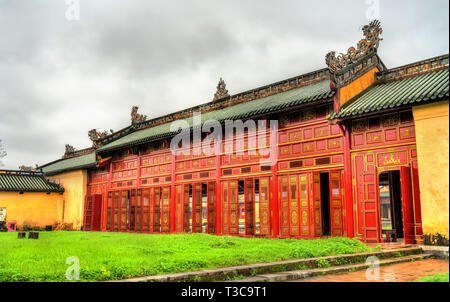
(362, 151)
(29, 200)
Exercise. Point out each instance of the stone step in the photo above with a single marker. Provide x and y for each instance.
(230, 273)
(303, 274)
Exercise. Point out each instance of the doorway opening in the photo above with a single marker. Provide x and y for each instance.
(391, 206)
(325, 203)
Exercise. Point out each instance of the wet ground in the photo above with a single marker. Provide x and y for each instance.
(402, 272)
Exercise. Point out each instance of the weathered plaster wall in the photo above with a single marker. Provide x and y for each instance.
(357, 86)
(432, 136)
(32, 209)
(75, 185)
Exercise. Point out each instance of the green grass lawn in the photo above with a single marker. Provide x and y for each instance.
(443, 277)
(111, 256)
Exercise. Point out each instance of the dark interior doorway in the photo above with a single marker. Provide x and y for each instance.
(325, 203)
(391, 205)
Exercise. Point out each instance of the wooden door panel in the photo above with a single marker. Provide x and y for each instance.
(211, 219)
(87, 221)
(264, 206)
(317, 200)
(371, 232)
(165, 204)
(407, 205)
(197, 209)
(109, 212)
(234, 207)
(225, 208)
(97, 202)
(293, 206)
(179, 208)
(139, 210)
(304, 212)
(156, 209)
(249, 203)
(132, 212)
(123, 222)
(337, 228)
(284, 205)
(186, 210)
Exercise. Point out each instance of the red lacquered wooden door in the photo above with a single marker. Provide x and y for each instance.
(371, 228)
(264, 206)
(337, 225)
(407, 205)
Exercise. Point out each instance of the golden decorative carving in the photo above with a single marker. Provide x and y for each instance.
(392, 160)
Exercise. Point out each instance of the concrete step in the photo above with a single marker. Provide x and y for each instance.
(303, 274)
(230, 273)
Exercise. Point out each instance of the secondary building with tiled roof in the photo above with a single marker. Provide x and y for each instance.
(30, 200)
(346, 133)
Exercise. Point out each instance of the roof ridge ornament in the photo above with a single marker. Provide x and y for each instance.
(137, 118)
(96, 136)
(69, 149)
(370, 44)
(222, 91)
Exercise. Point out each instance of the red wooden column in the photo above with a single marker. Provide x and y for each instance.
(348, 181)
(274, 187)
(138, 186)
(218, 192)
(108, 189)
(172, 194)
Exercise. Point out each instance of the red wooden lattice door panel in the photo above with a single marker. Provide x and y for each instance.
(304, 212)
(264, 206)
(132, 213)
(87, 223)
(293, 206)
(417, 207)
(284, 206)
(249, 191)
(165, 204)
(225, 208)
(179, 208)
(407, 205)
(337, 228)
(197, 208)
(211, 220)
(371, 230)
(156, 209)
(186, 210)
(109, 212)
(92, 213)
(317, 207)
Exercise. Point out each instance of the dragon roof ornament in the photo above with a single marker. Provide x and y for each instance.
(136, 117)
(222, 91)
(370, 44)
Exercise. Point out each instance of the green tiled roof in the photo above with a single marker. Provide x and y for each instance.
(13, 181)
(423, 88)
(75, 163)
(294, 97)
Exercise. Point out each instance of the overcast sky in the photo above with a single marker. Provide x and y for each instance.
(61, 78)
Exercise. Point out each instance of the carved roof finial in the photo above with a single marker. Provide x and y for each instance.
(69, 149)
(372, 33)
(222, 91)
(96, 136)
(137, 118)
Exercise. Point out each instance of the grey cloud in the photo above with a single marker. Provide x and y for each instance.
(58, 79)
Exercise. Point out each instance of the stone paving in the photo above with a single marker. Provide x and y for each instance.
(402, 272)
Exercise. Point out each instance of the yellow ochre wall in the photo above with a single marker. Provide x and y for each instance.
(32, 209)
(357, 86)
(75, 185)
(432, 139)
